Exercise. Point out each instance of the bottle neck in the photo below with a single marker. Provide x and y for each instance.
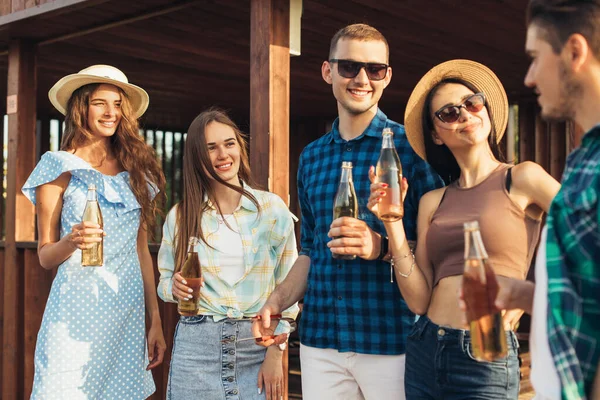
(472, 250)
(192, 242)
(346, 175)
(92, 195)
(388, 142)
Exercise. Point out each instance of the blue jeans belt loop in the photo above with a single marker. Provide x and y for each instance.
(421, 326)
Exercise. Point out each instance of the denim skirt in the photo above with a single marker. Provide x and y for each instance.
(440, 365)
(207, 363)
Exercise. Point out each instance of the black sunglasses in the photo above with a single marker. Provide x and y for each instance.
(349, 69)
(450, 114)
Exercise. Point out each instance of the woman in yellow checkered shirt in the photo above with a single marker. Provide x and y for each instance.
(247, 246)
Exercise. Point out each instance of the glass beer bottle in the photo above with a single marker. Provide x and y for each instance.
(480, 288)
(389, 170)
(93, 257)
(192, 273)
(345, 203)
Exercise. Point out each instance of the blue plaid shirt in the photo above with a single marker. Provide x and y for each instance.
(352, 305)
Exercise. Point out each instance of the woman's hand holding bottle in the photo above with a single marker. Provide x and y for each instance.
(83, 235)
(179, 288)
(378, 191)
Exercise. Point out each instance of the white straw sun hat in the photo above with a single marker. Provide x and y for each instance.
(62, 90)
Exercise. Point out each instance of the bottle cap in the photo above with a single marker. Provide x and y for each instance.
(471, 226)
(346, 164)
(387, 131)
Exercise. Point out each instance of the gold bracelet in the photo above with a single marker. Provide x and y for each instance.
(412, 265)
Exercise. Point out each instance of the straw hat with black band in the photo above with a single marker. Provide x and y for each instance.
(470, 71)
(62, 90)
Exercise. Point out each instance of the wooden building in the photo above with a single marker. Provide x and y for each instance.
(192, 54)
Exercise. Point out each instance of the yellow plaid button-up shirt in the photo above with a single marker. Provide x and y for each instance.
(269, 247)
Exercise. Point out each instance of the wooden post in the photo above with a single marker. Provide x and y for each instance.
(526, 131)
(558, 149)
(270, 103)
(542, 153)
(270, 95)
(20, 216)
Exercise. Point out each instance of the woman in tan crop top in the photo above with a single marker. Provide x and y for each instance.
(454, 119)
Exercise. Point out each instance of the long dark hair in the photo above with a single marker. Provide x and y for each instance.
(128, 146)
(199, 176)
(439, 156)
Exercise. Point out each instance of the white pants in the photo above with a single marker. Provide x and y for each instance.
(328, 374)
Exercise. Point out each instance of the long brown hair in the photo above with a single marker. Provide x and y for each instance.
(127, 145)
(199, 176)
(439, 156)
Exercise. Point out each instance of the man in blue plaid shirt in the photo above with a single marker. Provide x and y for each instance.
(563, 41)
(354, 322)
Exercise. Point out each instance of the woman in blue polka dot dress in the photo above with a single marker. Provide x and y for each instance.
(92, 342)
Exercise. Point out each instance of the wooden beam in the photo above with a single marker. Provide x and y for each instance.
(270, 95)
(178, 5)
(47, 9)
(20, 213)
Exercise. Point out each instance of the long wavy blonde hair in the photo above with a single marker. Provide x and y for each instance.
(128, 146)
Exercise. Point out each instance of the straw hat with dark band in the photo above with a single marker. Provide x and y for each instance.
(470, 71)
(62, 90)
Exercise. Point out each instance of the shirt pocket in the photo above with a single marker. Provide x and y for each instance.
(265, 241)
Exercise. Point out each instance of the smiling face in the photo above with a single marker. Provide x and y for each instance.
(359, 94)
(549, 76)
(104, 111)
(224, 151)
(471, 128)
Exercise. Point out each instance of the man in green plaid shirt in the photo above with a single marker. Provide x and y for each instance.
(563, 41)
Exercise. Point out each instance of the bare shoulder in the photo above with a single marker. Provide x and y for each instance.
(528, 175)
(528, 172)
(534, 184)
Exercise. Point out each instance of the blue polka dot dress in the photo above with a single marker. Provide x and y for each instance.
(92, 342)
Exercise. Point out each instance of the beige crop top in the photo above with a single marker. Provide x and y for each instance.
(509, 235)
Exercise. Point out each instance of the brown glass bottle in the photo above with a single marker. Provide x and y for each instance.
(480, 288)
(389, 170)
(192, 273)
(345, 203)
(94, 256)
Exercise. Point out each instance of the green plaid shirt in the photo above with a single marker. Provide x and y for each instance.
(573, 260)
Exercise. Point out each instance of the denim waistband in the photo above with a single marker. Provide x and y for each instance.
(204, 317)
(446, 333)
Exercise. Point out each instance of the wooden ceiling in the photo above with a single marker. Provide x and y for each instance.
(190, 55)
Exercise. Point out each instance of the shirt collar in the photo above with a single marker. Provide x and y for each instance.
(374, 129)
(245, 202)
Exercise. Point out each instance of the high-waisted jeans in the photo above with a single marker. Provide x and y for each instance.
(440, 365)
(208, 364)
